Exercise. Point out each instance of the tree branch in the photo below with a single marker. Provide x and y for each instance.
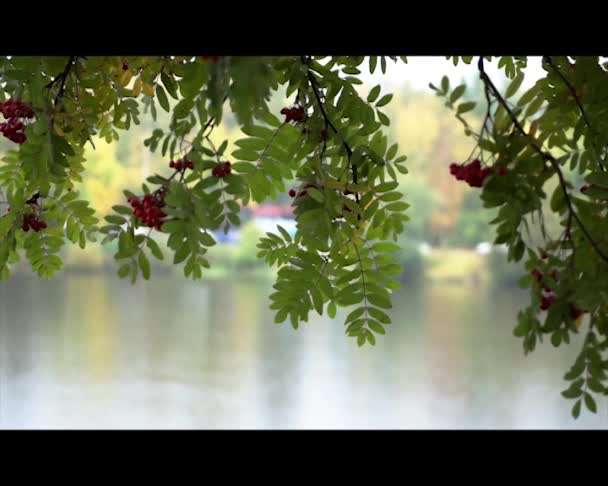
(545, 155)
(315, 89)
(576, 99)
(63, 76)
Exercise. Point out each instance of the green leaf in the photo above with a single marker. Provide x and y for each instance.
(386, 186)
(379, 315)
(281, 315)
(376, 327)
(386, 246)
(397, 206)
(114, 219)
(169, 85)
(385, 100)
(207, 239)
(315, 194)
(576, 409)
(514, 86)
(457, 93)
(182, 253)
(317, 300)
(590, 403)
(154, 248)
(123, 271)
(465, 107)
(599, 178)
(373, 94)
(144, 264)
(370, 338)
(379, 301)
(331, 310)
(162, 97)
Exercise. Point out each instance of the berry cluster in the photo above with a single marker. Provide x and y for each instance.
(150, 212)
(539, 276)
(547, 300)
(548, 296)
(293, 114)
(472, 172)
(181, 164)
(213, 59)
(221, 170)
(15, 111)
(31, 220)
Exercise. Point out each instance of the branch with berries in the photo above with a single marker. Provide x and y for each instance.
(545, 156)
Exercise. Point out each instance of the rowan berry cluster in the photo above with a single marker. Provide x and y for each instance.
(295, 114)
(150, 210)
(472, 172)
(15, 112)
(221, 169)
(181, 164)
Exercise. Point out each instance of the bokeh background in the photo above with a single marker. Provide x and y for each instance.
(87, 350)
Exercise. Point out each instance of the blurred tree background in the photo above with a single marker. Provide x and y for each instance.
(443, 214)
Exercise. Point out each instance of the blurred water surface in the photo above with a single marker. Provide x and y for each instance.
(91, 351)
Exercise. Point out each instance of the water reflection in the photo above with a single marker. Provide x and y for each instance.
(92, 351)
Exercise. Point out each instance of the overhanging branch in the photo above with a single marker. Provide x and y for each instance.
(545, 155)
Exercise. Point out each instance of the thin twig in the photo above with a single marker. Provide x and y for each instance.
(576, 99)
(349, 152)
(63, 76)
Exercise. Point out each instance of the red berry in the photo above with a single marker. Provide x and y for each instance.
(501, 171)
(293, 114)
(586, 187)
(547, 301)
(297, 114)
(472, 173)
(19, 138)
(538, 275)
(292, 192)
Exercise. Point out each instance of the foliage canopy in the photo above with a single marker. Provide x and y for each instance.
(349, 214)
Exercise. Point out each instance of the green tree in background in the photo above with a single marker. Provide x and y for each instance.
(326, 148)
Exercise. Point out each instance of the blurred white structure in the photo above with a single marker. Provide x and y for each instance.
(270, 224)
(424, 248)
(484, 248)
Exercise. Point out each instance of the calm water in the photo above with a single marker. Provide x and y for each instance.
(88, 351)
